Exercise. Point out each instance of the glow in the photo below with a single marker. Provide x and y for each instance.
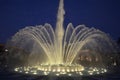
(114, 63)
(45, 69)
(20, 71)
(39, 68)
(58, 69)
(76, 69)
(105, 70)
(35, 73)
(68, 70)
(26, 72)
(63, 70)
(6, 50)
(54, 70)
(69, 74)
(45, 73)
(16, 69)
(98, 72)
(72, 70)
(80, 73)
(91, 73)
(102, 71)
(57, 74)
(49, 69)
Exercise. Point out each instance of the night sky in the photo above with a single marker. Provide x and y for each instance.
(17, 14)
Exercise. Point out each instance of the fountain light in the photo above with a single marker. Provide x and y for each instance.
(45, 73)
(68, 70)
(105, 70)
(35, 73)
(26, 72)
(20, 71)
(69, 74)
(57, 74)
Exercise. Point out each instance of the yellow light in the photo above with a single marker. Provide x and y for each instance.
(63, 73)
(102, 72)
(42, 69)
(80, 73)
(49, 69)
(45, 73)
(35, 73)
(31, 71)
(94, 69)
(98, 72)
(82, 68)
(58, 69)
(72, 70)
(39, 68)
(16, 69)
(26, 72)
(46, 69)
(57, 74)
(54, 70)
(63, 70)
(75, 69)
(105, 70)
(90, 73)
(68, 70)
(69, 74)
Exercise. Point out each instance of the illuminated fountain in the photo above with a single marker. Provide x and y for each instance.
(41, 50)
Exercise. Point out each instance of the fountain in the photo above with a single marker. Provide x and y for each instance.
(41, 50)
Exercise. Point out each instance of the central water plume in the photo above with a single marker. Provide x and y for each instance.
(59, 32)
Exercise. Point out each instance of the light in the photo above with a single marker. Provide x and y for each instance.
(20, 71)
(54, 70)
(39, 68)
(16, 69)
(68, 70)
(102, 71)
(57, 74)
(72, 70)
(69, 74)
(105, 70)
(114, 63)
(32, 71)
(58, 70)
(94, 69)
(46, 69)
(6, 50)
(91, 73)
(45, 73)
(80, 73)
(75, 69)
(98, 72)
(49, 69)
(26, 72)
(82, 68)
(63, 70)
(35, 73)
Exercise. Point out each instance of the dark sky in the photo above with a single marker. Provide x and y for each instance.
(101, 14)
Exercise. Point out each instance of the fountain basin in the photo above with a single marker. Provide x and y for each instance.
(60, 70)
